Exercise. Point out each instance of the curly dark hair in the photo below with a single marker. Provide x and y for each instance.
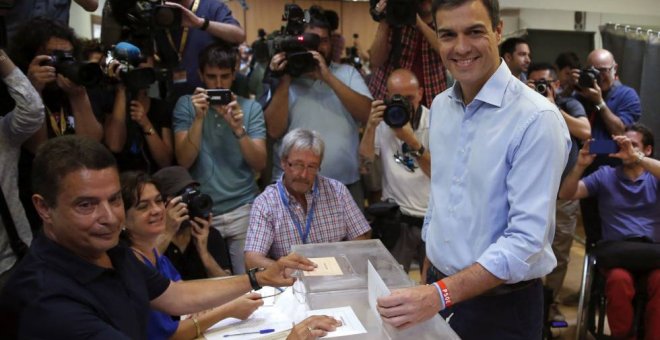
(33, 36)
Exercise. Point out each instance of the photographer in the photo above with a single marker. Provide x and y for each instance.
(203, 22)
(332, 99)
(223, 144)
(406, 176)
(542, 77)
(516, 55)
(36, 50)
(196, 250)
(148, 146)
(417, 50)
(15, 127)
(630, 213)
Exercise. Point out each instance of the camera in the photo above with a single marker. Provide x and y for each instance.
(219, 96)
(146, 15)
(398, 111)
(128, 56)
(85, 74)
(587, 77)
(295, 43)
(199, 204)
(541, 86)
(397, 13)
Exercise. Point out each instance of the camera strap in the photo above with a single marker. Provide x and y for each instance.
(184, 35)
(61, 119)
(310, 216)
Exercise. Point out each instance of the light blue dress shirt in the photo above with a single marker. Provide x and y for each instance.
(496, 167)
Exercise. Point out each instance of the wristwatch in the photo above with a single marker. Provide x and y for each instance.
(601, 105)
(639, 157)
(252, 275)
(418, 153)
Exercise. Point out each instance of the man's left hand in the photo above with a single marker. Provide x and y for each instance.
(233, 115)
(405, 134)
(410, 306)
(69, 87)
(593, 94)
(188, 18)
(322, 72)
(278, 274)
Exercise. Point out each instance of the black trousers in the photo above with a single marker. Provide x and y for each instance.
(514, 315)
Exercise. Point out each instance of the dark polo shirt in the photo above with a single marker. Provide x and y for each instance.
(54, 294)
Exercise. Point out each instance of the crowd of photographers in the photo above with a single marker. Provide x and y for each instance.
(175, 91)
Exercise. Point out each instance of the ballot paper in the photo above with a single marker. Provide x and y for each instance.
(376, 287)
(350, 324)
(326, 266)
(260, 320)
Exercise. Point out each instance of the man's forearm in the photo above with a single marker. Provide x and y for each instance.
(651, 165)
(577, 127)
(86, 123)
(380, 47)
(187, 297)
(569, 186)
(429, 35)
(358, 106)
(254, 152)
(227, 32)
(28, 114)
(612, 122)
(367, 144)
(277, 112)
(188, 144)
(115, 124)
(470, 282)
(254, 259)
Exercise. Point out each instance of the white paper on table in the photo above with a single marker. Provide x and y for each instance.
(325, 266)
(350, 324)
(262, 318)
(376, 287)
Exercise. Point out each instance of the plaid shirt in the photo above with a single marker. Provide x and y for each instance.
(272, 232)
(433, 72)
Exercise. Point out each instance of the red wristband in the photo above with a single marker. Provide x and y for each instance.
(445, 294)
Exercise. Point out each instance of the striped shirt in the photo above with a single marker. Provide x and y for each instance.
(272, 230)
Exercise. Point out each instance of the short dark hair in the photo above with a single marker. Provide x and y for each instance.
(219, 55)
(509, 45)
(567, 59)
(33, 35)
(63, 155)
(132, 183)
(647, 135)
(317, 19)
(492, 6)
(89, 46)
(542, 67)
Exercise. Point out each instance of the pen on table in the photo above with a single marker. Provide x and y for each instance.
(281, 290)
(261, 331)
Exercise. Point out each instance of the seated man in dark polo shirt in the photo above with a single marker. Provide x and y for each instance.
(77, 282)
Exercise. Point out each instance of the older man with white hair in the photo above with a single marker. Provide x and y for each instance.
(301, 207)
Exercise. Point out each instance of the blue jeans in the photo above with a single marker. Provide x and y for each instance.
(515, 315)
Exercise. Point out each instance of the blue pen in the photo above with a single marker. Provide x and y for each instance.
(280, 289)
(261, 331)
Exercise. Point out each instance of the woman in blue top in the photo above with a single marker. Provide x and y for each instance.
(145, 223)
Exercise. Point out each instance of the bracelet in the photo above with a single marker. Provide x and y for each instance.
(445, 293)
(150, 131)
(241, 134)
(199, 332)
(205, 25)
(442, 298)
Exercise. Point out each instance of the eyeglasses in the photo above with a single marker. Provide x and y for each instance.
(604, 69)
(300, 167)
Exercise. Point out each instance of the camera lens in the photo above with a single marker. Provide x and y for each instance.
(396, 115)
(541, 88)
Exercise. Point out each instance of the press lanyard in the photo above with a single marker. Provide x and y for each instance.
(184, 35)
(310, 216)
(59, 130)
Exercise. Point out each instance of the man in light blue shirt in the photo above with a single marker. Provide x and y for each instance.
(498, 150)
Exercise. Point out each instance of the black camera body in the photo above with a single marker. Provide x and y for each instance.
(541, 86)
(146, 15)
(85, 74)
(587, 77)
(219, 96)
(199, 204)
(397, 13)
(295, 43)
(398, 111)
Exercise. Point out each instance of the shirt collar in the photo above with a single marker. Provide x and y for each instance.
(308, 195)
(493, 90)
(66, 261)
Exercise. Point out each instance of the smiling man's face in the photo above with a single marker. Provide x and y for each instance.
(468, 44)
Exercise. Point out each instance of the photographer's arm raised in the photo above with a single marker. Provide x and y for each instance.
(380, 47)
(187, 144)
(115, 124)
(430, 35)
(227, 32)
(276, 113)
(81, 107)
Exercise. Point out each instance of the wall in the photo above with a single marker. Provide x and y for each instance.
(80, 20)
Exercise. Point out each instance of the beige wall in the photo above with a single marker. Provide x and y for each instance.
(267, 14)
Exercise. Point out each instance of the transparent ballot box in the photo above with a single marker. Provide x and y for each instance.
(350, 288)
